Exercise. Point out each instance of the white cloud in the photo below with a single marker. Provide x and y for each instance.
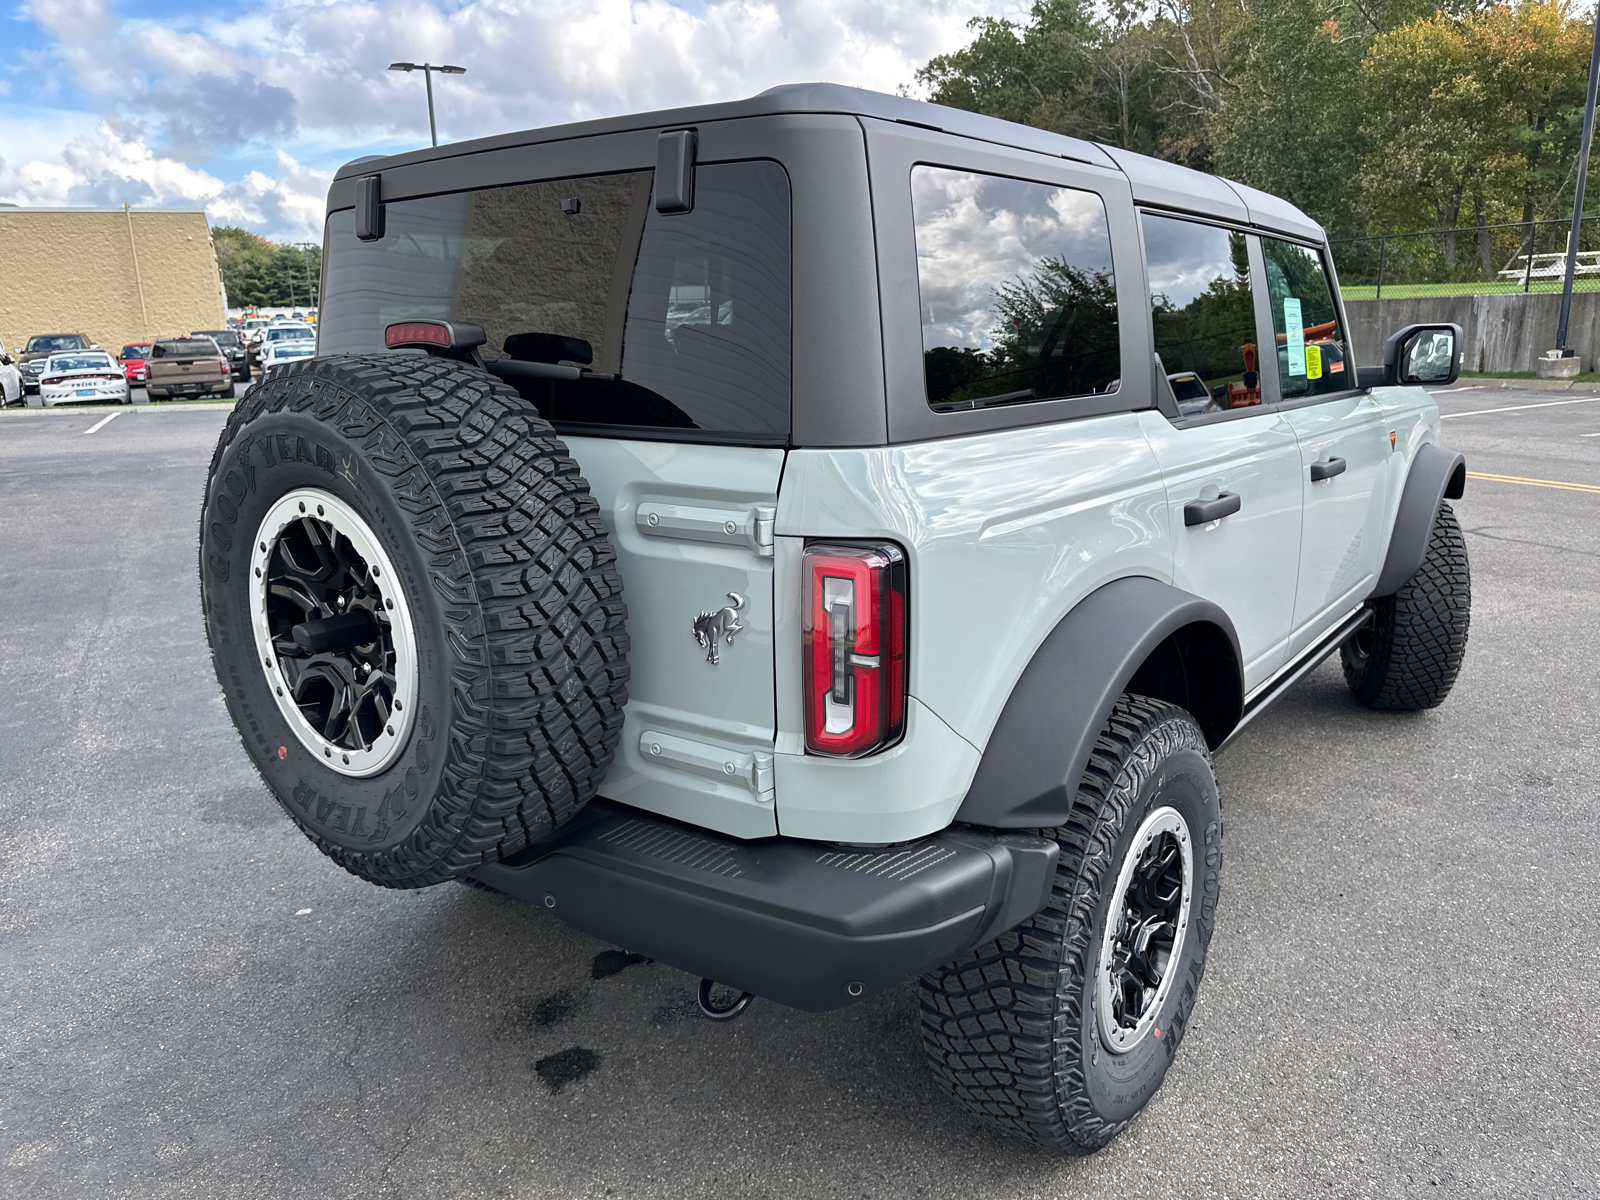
(308, 80)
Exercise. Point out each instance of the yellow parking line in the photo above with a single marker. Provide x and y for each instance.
(1550, 483)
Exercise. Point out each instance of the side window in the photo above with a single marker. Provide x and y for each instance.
(1019, 300)
(1313, 351)
(1202, 309)
(682, 319)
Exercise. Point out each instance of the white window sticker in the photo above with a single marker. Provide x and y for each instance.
(1297, 335)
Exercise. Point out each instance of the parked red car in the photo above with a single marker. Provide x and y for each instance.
(132, 359)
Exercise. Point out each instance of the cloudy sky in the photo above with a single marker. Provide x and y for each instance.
(248, 108)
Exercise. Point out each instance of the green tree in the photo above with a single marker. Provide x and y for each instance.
(256, 271)
(1290, 125)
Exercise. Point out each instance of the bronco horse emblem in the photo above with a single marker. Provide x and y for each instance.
(710, 628)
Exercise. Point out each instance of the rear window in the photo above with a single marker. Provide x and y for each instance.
(1019, 301)
(185, 348)
(79, 362)
(683, 320)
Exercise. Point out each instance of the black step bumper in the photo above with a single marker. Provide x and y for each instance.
(802, 923)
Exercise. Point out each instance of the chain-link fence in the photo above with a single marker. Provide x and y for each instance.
(1522, 257)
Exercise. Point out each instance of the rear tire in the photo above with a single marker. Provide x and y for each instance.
(1408, 657)
(496, 619)
(1035, 1032)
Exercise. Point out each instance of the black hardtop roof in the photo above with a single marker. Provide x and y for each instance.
(1154, 181)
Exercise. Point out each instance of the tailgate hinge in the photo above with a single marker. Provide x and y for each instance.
(749, 527)
(753, 770)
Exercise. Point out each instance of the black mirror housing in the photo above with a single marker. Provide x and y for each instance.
(1419, 354)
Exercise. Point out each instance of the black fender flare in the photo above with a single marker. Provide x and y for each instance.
(1436, 474)
(1039, 749)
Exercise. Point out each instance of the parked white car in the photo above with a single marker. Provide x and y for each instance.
(82, 377)
(278, 353)
(10, 378)
(288, 332)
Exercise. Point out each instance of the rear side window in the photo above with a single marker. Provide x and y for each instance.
(1313, 351)
(1018, 296)
(1202, 310)
(682, 320)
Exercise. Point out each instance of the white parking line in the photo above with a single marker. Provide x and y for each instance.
(102, 422)
(1478, 412)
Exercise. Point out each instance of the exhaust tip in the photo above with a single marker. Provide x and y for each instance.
(716, 1011)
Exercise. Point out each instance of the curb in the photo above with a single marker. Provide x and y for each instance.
(69, 410)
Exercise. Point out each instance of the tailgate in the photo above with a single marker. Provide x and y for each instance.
(692, 527)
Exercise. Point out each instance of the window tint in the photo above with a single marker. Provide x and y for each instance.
(1018, 296)
(1313, 351)
(683, 319)
(1202, 309)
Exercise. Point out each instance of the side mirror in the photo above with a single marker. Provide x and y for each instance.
(1419, 354)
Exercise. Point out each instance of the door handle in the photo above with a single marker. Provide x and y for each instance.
(1327, 470)
(1202, 512)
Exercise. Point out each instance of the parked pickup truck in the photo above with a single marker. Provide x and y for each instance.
(187, 368)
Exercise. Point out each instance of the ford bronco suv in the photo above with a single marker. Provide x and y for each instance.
(821, 540)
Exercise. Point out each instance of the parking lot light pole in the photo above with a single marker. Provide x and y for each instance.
(305, 249)
(427, 70)
(1577, 203)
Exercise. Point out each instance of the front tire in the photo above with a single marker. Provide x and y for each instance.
(1062, 1029)
(414, 612)
(1407, 658)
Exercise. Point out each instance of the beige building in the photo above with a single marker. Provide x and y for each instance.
(118, 276)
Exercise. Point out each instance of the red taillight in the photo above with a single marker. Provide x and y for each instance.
(52, 380)
(225, 367)
(854, 638)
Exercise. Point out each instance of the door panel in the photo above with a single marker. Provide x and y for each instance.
(692, 524)
(1246, 562)
(1343, 522)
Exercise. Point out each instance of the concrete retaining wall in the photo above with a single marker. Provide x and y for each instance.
(1503, 333)
(118, 277)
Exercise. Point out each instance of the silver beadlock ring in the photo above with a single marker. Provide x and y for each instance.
(359, 574)
(1135, 946)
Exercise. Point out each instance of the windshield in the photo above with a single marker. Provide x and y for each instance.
(54, 341)
(78, 362)
(222, 337)
(136, 351)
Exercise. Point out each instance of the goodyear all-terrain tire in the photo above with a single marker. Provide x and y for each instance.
(413, 610)
(1408, 656)
(1062, 1029)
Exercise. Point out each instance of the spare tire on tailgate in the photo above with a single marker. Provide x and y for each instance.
(413, 610)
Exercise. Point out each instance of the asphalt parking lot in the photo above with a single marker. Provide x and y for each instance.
(195, 1003)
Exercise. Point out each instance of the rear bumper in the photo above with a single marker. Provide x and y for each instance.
(798, 922)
